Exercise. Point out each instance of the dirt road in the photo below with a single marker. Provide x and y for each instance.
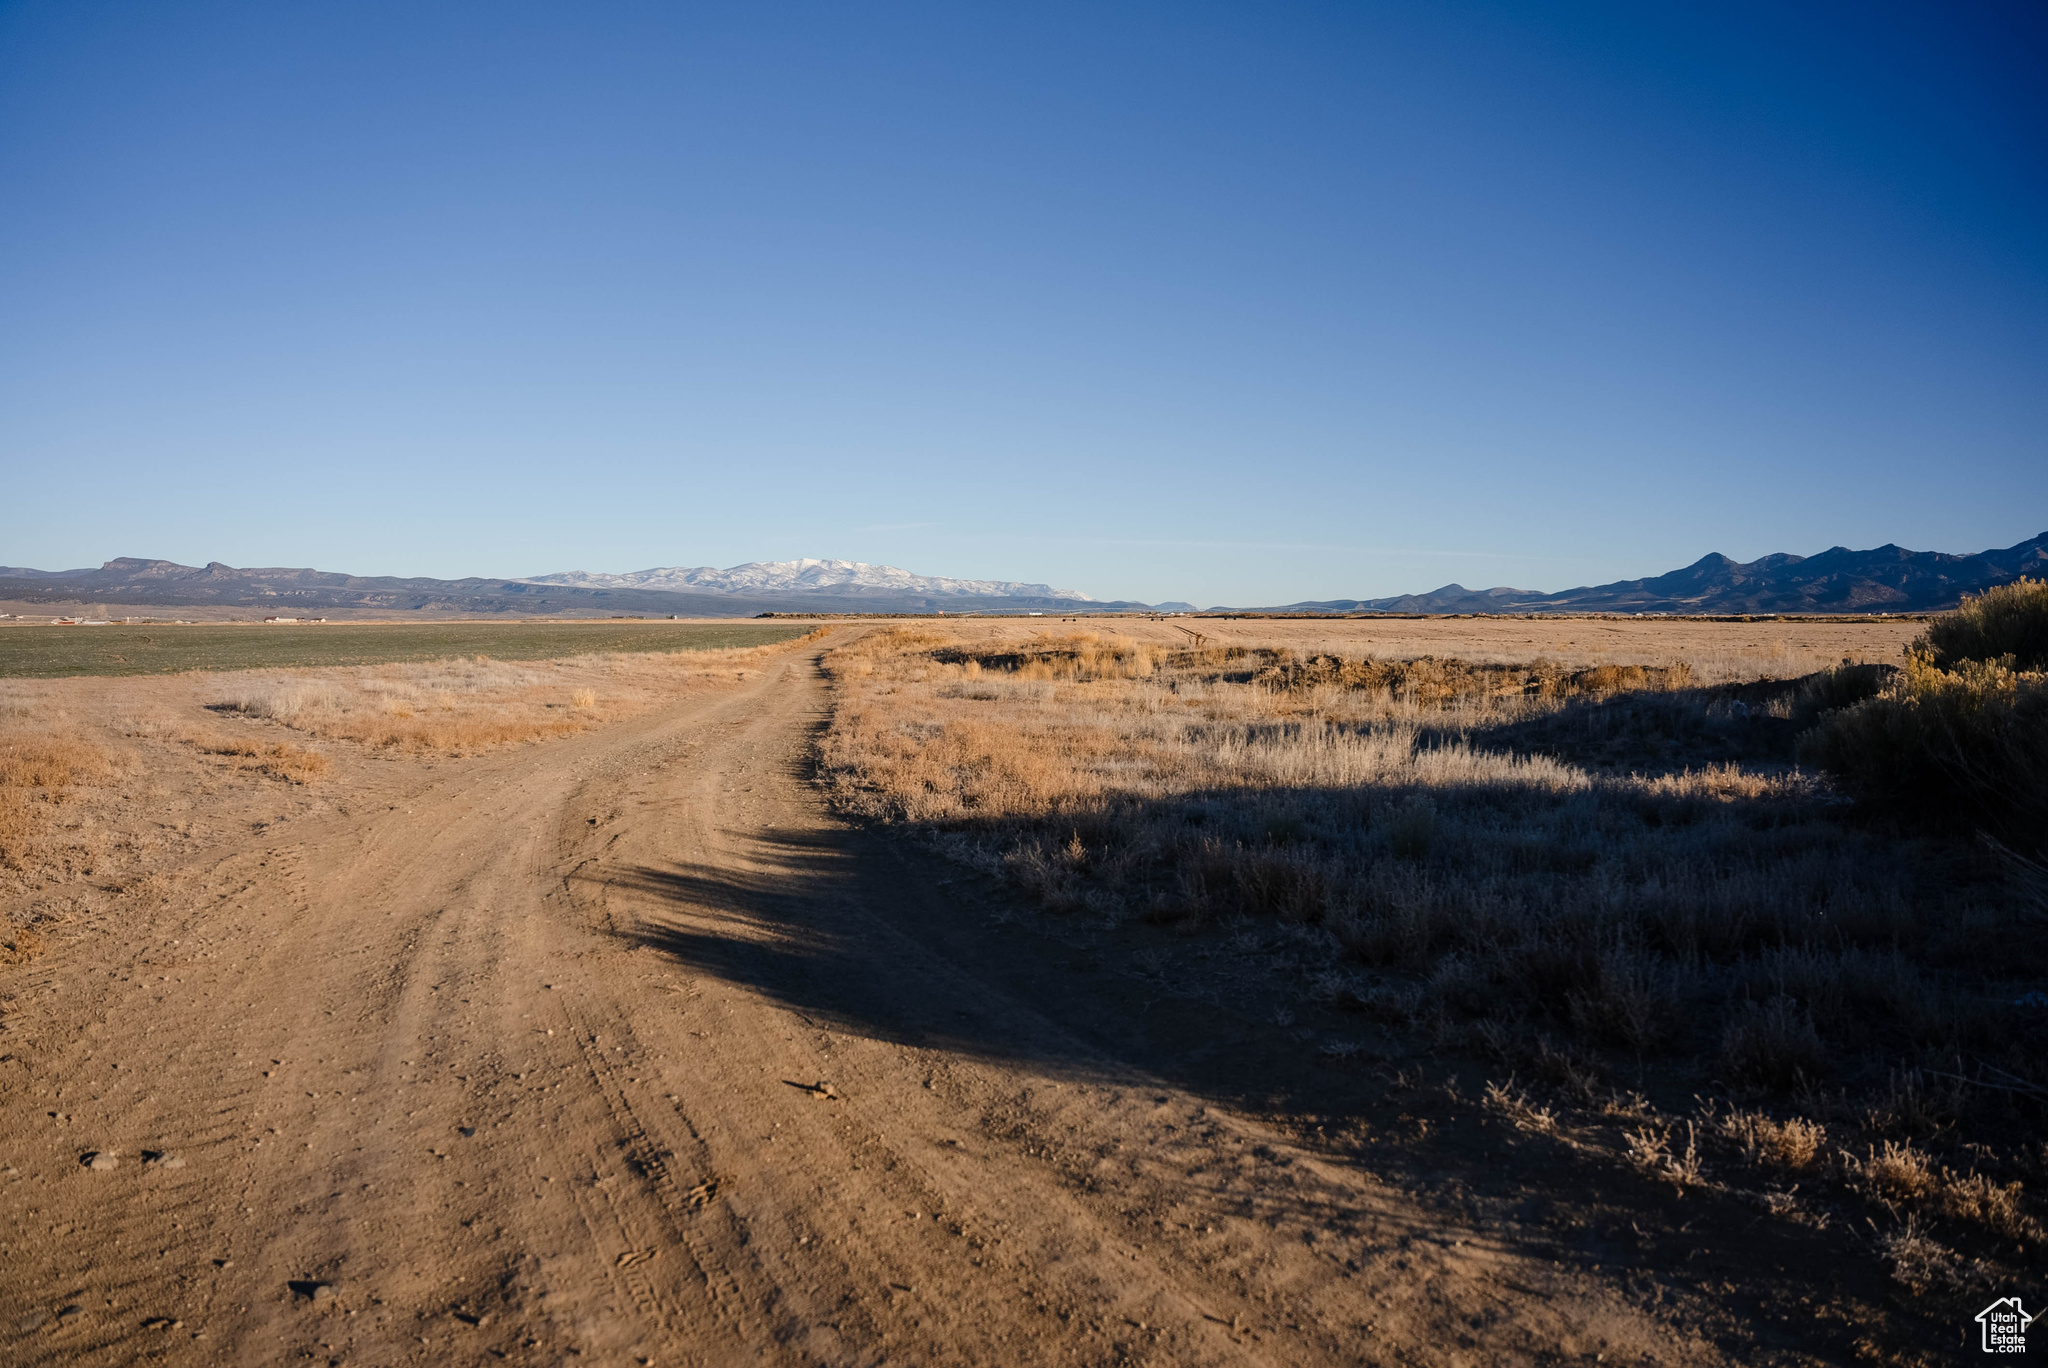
(620, 1049)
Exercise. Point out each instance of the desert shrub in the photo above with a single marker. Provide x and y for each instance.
(1910, 1104)
(1964, 745)
(1796, 1144)
(1629, 678)
(2008, 623)
(1974, 1199)
(1923, 1263)
(1772, 1045)
(1846, 685)
(1628, 1002)
(1897, 1173)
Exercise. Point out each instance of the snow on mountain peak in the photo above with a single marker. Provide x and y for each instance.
(807, 575)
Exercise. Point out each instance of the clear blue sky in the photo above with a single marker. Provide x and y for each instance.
(1242, 304)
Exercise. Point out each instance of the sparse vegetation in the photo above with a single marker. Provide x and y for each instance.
(1796, 1145)
(1500, 856)
(40, 771)
(294, 764)
(467, 705)
(52, 762)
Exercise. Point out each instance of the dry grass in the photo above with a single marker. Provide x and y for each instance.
(1391, 806)
(53, 762)
(19, 829)
(1655, 1152)
(466, 706)
(274, 758)
(1520, 1111)
(1501, 855)
(1925, 1264)
(1795, 1145)
(1898, 1173)
(39, 772)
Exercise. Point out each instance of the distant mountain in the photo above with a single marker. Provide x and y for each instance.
(1889, 579)
(764, 587)
(837, 577)
(1452, 598)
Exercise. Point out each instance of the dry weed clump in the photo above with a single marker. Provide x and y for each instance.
(1925, 1264)
(1975, 1199)
(1522, 1113)
(292, 764)
(1902, 1176)
(1505, 856)
(1654, 1150)
(1796, 1145)
(38, 774)
(53, 762)
(1898, 1173)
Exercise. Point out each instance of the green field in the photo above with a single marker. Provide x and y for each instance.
(54, 652)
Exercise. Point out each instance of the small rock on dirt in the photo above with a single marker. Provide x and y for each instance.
(162, 1159)
(100, 1160)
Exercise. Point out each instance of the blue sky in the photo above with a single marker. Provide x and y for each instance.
(1235, 304)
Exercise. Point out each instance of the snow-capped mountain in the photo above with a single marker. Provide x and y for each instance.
(807, 576)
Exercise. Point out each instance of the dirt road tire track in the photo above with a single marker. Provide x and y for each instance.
(505, 1065)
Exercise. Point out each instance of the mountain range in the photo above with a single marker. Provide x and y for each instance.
(802, 586)
(1888, 579)
(846, 579)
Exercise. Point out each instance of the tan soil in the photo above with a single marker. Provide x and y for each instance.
(622, 1047)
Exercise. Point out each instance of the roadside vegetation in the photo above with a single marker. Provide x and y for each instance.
(1959, 738)
(1640, 895)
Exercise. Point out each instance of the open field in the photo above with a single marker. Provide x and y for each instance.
(596, 1010)
(44, 652)
(1777, 648)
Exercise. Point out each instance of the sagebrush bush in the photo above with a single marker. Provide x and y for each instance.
(1846, 685)
(1772, 1045)
(1965, 746)
(2008, 623)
